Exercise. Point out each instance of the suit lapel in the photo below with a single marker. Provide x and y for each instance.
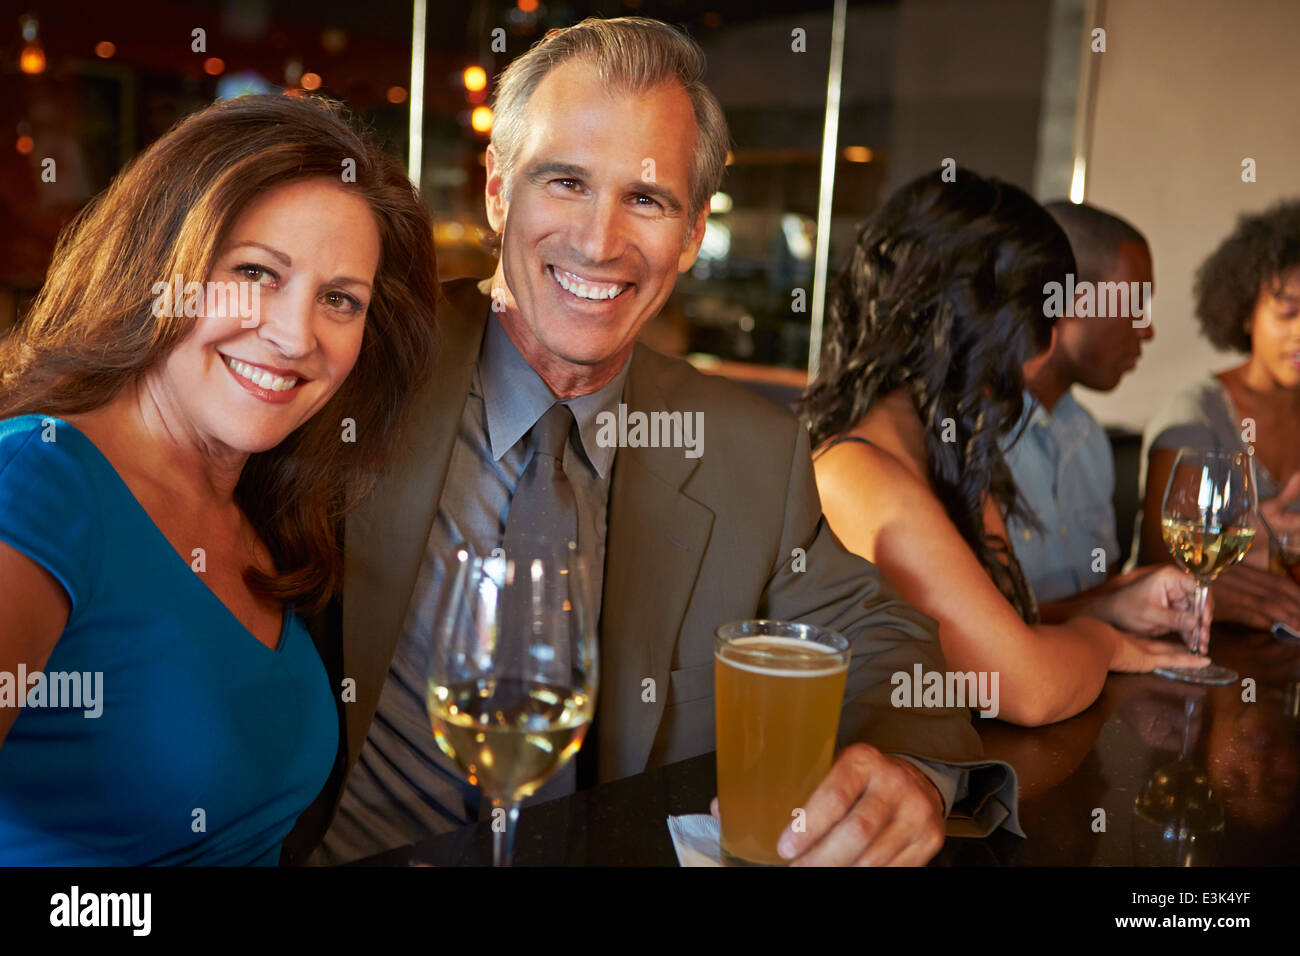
(387, 535)
(655, 541)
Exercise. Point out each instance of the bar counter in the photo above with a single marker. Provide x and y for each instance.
(1156, 772)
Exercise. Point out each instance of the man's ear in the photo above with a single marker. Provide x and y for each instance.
(1075, 309)
(693, 241)
(1036, 362)
(495, 192)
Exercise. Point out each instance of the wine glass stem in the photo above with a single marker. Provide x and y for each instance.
(504, 816)
(1202, 592)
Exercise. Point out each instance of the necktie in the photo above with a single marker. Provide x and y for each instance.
(544, 504)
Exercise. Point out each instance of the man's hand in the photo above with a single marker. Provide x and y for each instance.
(1256, 598)
(1274, 511)
(872, 809)
(1156, 603)
(1276, 508)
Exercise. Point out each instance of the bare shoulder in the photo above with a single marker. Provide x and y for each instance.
(103, 427)
(899, 410)
(862, 466)
(893, 448)
(871, 492)
(858, 481)
(98, 428)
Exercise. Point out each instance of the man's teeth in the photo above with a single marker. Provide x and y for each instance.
(583, 289)
(261, 377)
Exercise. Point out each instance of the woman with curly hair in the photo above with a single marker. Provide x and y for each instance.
(218, 363)
(1247, 301)
(928, 328)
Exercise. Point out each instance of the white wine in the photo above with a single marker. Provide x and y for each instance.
(1205, 552)
(509, 736)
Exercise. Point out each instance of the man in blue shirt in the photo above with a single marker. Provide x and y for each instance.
(1059, 454)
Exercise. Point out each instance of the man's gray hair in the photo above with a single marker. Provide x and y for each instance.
(632, 55)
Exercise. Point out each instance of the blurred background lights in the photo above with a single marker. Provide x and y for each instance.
(1078, 179)
(449, 231)
(475, 78)
(32, 57)
(796, 236)
(333, 40)
(481, 119)
(104, 49)
(716, 245)
(240, 84)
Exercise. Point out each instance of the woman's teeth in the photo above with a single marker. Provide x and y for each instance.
(260, 377)
(583, 289)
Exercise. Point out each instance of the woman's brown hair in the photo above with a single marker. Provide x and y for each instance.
(91, 331)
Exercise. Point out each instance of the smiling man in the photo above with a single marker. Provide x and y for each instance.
(606, 150)
(602, 216)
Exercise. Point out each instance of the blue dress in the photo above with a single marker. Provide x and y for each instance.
(206, 744)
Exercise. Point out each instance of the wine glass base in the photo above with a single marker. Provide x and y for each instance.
(1214, 674)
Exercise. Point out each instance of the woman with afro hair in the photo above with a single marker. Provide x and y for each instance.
(1247, 301)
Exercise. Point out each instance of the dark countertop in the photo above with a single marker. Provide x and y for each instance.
(1220, 775)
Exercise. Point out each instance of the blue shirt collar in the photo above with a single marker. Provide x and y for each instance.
(1066, 410)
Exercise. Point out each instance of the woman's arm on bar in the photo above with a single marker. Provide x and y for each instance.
(886, 513)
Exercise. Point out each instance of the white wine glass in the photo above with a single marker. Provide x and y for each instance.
(1208, 523)
(513, 673)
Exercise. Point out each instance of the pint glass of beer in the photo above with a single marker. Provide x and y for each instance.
(779, 688)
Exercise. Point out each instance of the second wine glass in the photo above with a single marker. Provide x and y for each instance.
(1208, 523)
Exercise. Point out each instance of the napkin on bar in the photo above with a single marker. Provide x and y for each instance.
(697, 839)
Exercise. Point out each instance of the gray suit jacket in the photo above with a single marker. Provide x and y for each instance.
(692, 543)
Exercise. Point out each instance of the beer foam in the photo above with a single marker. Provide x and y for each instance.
(793, 643)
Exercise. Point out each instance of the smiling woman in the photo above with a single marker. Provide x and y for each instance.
(173, 475)
(183, 207)
(302, 246)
